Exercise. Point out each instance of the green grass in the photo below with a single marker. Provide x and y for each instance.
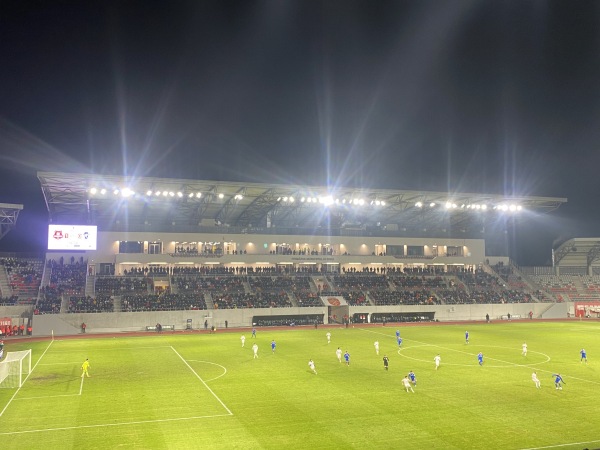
(205, 391)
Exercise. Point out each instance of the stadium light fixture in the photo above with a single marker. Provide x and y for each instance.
(116, 192)
(148, 192)
(292, 199)
(103, 191)
(432, 204)
(238, 196)
(484, 207)
(419, 205)
(180, 194)
(221, 195)
(93, 191)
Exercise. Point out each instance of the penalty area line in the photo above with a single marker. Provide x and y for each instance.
(138, 422)
(202, 381)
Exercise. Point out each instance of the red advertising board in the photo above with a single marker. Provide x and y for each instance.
(587, 309)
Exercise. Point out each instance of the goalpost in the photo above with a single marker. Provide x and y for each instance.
(15, 368)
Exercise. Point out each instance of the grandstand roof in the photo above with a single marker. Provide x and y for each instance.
(139, 203)
(9, 213)
(579, 252)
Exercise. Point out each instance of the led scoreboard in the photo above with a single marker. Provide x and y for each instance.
(72, 237)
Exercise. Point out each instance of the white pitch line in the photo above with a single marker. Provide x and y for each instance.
(57, 364)
(214, 364)
(81, 386)
(19, 388)
(202, 381)
(40, 430)
(561, 445)
(47, 396)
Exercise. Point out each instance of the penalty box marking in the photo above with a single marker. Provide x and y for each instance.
(139, 422)
(102, 425)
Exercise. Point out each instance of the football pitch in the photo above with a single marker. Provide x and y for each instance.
(197, 390)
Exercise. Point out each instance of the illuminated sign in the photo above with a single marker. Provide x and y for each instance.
(72, 237)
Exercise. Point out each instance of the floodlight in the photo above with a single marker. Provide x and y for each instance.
(171, 194)
(361, 202)
(103, 191)
(165, 193)
(148, 192)
(291, 199)
(484, 207)
(127, 192)
(512, 208)
(238, 197)
(419, 205)
(519, 207)
(179, 194)
(302, 199)
(221, 195)
(382, 203)
(157, 193)
(190, 195)
(93, 191)
(198, 194)
(448, 205)
(432, 204)
(285, 199)
(116, 192)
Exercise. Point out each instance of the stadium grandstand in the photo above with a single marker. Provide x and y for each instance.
(127, 253)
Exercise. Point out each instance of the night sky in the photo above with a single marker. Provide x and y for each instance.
(499, 97)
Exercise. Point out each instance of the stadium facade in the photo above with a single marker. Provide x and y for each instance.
(165, 230)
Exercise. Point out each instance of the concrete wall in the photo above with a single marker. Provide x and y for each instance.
(68, 324)
(16, 311)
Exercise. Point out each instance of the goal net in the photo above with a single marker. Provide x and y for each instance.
(15, 368)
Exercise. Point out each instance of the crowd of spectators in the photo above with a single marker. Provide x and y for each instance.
(87, 304)
(68, 278)
(152, 271)
(403, 297)
(353, 282)
(49, 301)
(24, 276)
(9, 301)
(162, 302)
(113, 285)
(412, 282)
(307, 298)
(478, 279)
(256, 300)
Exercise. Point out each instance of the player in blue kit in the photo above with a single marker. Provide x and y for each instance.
(347, 358)
(412, 377)
(480, 358)
(273, 345)
(558, 381)
(583, 355)
(399, 339)
(466, 337)
(397, 334)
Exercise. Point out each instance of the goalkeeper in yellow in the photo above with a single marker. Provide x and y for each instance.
(84, 368)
